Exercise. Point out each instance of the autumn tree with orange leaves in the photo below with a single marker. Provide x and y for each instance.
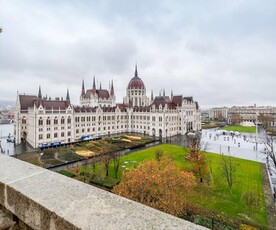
(197, 157)
(159, 184)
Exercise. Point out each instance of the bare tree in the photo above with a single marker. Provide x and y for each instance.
(251, 200)
(266, 120)
(270, 152)
(158, 154)
(228, 167)
(106, 161)
(116, 164)
(236, 119)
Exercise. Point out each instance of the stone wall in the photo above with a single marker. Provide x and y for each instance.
(47, 200)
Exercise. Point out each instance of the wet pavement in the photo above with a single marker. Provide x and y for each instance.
(245, 146)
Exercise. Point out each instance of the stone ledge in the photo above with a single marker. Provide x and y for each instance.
(46, 200)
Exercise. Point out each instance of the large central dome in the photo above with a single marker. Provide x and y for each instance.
(136, 82)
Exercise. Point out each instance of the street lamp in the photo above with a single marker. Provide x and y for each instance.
(257, 131)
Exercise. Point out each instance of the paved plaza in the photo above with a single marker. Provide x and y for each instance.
(242, 146)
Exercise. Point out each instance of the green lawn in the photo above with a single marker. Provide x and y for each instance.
(217, 196)
(242, 129)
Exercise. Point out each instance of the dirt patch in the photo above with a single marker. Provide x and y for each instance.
(271, 210)
(133, 137)
(85, 153)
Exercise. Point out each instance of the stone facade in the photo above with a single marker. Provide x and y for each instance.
(44, 121)
(218, 113)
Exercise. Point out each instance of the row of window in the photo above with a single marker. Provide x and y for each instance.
(55, 121)
(55, 135)
(105, 118)
(99, 128)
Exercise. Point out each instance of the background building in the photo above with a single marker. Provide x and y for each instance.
(246, 115)
(220, 114)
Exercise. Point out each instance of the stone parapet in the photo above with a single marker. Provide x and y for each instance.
(47, 200)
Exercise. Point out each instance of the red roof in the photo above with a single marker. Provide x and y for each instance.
(136, 83)
(163, 100)
(177, 100)
(102, 93)
(26, 101)
(53, 104)
(29, 101)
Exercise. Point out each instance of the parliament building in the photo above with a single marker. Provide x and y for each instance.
(40, 120)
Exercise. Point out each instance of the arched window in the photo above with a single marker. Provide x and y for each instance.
(55, 121)
(48, 122)
(24, 120)
(69, 120)
(40, 121)
(62, 120)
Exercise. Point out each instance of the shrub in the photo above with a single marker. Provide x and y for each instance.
(66, 173)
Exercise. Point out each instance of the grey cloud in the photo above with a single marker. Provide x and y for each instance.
(222, 53)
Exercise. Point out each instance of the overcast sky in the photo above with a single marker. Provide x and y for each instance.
(219, 52)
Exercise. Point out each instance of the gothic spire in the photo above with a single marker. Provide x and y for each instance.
(164, 93)
(136, 72)
(82, 89)
(100, 85)
(171, 94)
(39, 93)
(94, 86)
(67, 95)
(112, 89)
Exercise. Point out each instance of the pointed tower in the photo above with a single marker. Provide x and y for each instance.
(112, 89)
(164, 93)
(100, 85)
(136, 72)
(67, 95)
(151, 98)
(94, 86)
(171, 94)
(67, 102)
(82, 89)
(39, 93)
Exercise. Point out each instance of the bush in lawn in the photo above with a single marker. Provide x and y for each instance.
(67, 173)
